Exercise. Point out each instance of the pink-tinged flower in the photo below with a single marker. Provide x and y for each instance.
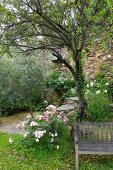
(52, 108)
(33, 123)
(11, 141)
(39, 134)
(47, 113)
(57, 147)
(65, 119)
(39, 117)
(46, 118)
(21, 125)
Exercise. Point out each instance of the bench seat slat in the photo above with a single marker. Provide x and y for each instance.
(103, 147)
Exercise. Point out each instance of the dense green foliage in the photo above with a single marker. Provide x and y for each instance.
(21, 83)
(98, 108)
(97, 96)
(62, 84)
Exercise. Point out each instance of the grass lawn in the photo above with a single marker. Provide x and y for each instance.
(20, 157)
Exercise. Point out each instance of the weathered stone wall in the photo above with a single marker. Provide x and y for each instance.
(97, 60)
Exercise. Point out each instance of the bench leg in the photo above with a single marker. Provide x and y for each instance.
(76, 158)
(77, 161)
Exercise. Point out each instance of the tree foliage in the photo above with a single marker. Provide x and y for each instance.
(21, 83)
(56, 24)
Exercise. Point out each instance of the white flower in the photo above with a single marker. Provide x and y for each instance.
(52, 135)
(87, 91)
(37, 140)
(91, 84)
(26, 134)
(11, 141)
(98, 92)
(52, 139)
(88, 85)
(52, 2)
(57, 147)
(40, 38)
(65, 22)
(107, 84)
(59, 117)
(33, 123)
(46, 102)
(28, 116)
(105, 91)
(73, 90)
(56, 134)
(72, 13)
(40, 117)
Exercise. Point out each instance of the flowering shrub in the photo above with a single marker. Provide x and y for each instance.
(98, 101)
(97, 87)
(46, 128)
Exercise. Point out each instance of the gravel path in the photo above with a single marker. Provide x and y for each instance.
(8, 124)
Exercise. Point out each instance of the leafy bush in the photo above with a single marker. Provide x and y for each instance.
(21, 83)
(98, 101)
(110, 90)
(98, 107)
(63, 85)
(45, 129)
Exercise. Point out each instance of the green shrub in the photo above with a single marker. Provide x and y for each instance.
(63, 85)
(110, 90)
(98, 107)
(97, 96)
(22, 83)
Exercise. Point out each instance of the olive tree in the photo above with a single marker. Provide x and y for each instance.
(55, 24)
(22, 83)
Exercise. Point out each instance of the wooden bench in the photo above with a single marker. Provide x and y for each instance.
(93, 138)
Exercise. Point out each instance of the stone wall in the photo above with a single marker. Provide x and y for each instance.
(96, 61)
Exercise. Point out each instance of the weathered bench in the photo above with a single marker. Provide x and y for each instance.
(93, 138)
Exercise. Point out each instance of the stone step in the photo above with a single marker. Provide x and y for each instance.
(72, 100)
(67, 107)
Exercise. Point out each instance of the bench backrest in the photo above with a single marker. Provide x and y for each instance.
(93, 132)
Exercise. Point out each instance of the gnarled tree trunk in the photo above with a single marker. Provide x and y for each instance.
(80, 83)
